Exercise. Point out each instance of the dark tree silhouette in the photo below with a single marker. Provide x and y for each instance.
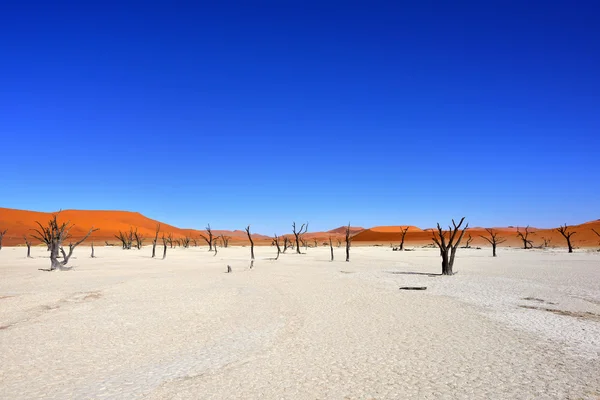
(564, 230)
(2, 233)
(165, 241)
(208, 239)
(331, 247)
(276, 243)
(494, 240)
(225, 240)
(43, 235)
(339, 242)
(448, 248)
(348, 242)
(126, 239)
(185, 242)
(251, 242)
(298, 234)
(469, 240)
(92, 255)
(527, 244)
(403, 233)
(58, 234)
(546, 241)
(286, 243)
(139, 239)
(155, 240)
(170, 240)
(28, 244)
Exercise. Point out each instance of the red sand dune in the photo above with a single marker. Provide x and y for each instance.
(20, 223)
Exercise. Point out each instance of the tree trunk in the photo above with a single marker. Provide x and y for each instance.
(446, 267)
(165, 251)
(569, 244)
(92, 249)
(28, 250)
(331, 248)
(494, 249)
(154, 249)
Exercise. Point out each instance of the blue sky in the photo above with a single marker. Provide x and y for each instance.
(263, 113)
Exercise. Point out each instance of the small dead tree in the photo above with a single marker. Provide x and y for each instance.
(185, 242)
(126, 239)
(348, 242)
(527, 244)
(155, 240)
(564, 230)
(251, 242)
(448, 248)
(298, 234)
(546, 241)
(195, 242)
(339, 242)
(316, 242)
(469, 240)
(215, 248)
(170, 239)
(165, 241)
(331, 247)
(286, 243)
(494, 240)
(2, 233)
(139, 239)
(208, 239)
(59, 233)
(276, 243)
(43, 235)
(92, 255)
(225, 240)
(597, 234)
(28, 244)
(403, 233)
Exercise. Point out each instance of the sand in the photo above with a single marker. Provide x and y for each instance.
(125, 326)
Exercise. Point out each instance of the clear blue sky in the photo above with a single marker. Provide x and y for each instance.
(263, 113)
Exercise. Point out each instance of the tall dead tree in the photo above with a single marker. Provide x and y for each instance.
(449, 245)
(494, 240)
(28, 244)
(126, 239)
(43, 235)
(155, 240)
(331, 247)
(165, 241)
(564, 230)
(276, 243)
(251, 242)
(298, 234)
(208, 239)
(58, 234)
(2, 233)
(348, 242)
(527, 244)
(403, 233)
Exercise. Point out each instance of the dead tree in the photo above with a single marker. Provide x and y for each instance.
(28, 244)
(170, 239)
(494, 240)
(339, 242)
(527, 244)
(155, 240)
(195, 242)
(251, 242)
(348, 242)
(58, 234)
(298, 234)
(2, 233)
(286, 243)
(468, 244)
(276, 243)
(126, 239)
(597, 234)
(215, 248)
(546, 241)
(331, 247)
(225, 240)
(185, 242)
(564, 230)
(208, 239)
(448, 248)
(92, 255)
(139, 239)
(43, 235)
(165, 241)
(316, 242)
(403, 233)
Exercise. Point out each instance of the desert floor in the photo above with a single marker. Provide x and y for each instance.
(525, 325)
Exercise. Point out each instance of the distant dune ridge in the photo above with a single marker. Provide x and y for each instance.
(20, 223)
